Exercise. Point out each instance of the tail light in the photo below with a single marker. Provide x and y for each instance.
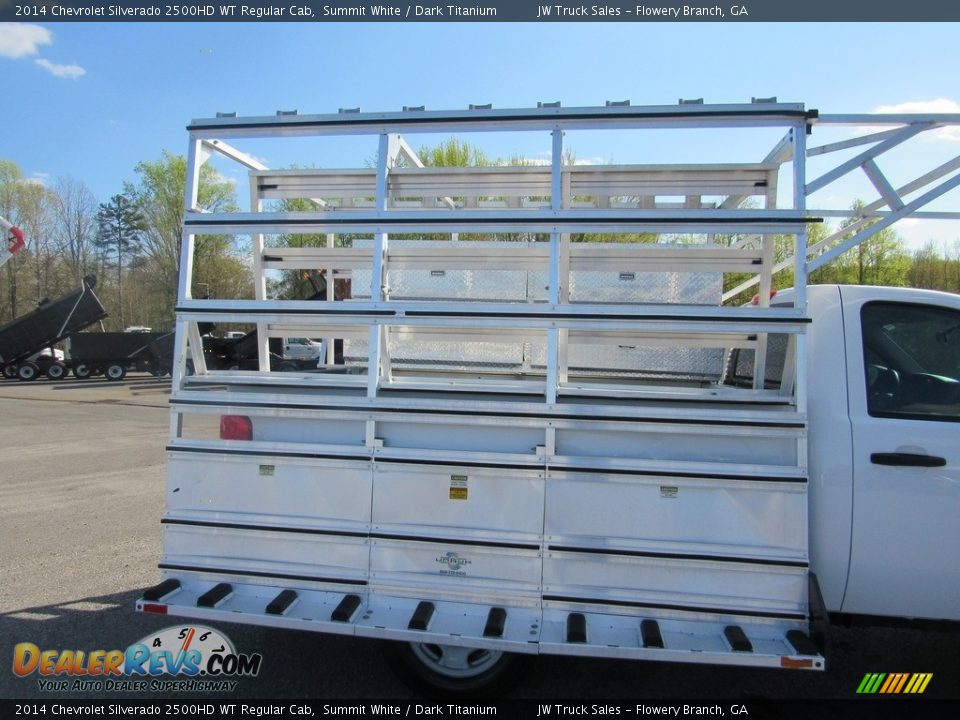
(236, 427)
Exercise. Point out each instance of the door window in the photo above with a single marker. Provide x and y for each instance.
(912, 361)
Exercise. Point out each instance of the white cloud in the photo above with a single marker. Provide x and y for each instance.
(19, 40)
(537, 161)
(940, 105)
(592, 161)
(220, 177)
(62, 71)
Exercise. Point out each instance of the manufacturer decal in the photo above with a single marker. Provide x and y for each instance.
(458, 487)
(452, 563)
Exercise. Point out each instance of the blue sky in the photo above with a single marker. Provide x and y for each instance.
(91, 100)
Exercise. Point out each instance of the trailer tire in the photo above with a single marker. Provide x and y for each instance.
(28, 371)
(455, 672)
(56, 371)
(115, 372)
(10, 371)
(82, 371)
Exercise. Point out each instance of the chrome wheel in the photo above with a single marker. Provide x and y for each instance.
(455, 661)
(454, 671)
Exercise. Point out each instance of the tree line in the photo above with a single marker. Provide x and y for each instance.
(130, 242)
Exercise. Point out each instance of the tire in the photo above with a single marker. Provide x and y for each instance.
(114, 372)
(450, 671)
(9, 371)
(57, 371)
(82, 371)
(28, 371)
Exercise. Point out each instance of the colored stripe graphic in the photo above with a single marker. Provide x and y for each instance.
(903, 679)
(871, 683)
(918, 683)
(894, 683)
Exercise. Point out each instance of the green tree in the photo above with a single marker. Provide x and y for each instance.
(932, 267)
(159, 193)
(74, 226)
(302, 284)
(120, 227)
(453, 152)
(928, 268)
(880, 260)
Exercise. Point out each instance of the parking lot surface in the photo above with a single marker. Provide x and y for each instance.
(81, 498)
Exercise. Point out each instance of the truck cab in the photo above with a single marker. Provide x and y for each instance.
(884, 408)
(884, 462)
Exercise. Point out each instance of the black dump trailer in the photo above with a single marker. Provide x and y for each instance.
(242, 354)
(113, 354)
(51, 322)
(238, 353)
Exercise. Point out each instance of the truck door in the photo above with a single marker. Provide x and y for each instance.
(904, 380)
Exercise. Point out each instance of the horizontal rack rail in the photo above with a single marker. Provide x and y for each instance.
(499, 221)
(527, 187)
(527, 256)
(494, 120)
(256, 389)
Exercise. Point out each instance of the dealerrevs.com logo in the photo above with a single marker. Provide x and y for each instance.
(199, 658)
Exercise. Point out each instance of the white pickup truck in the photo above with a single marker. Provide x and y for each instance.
(548, 427)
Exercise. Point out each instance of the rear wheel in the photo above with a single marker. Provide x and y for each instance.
(9, 371)
(454, 671)
(115, 372)
(82, 371)
(28, 371)
(57, 371)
